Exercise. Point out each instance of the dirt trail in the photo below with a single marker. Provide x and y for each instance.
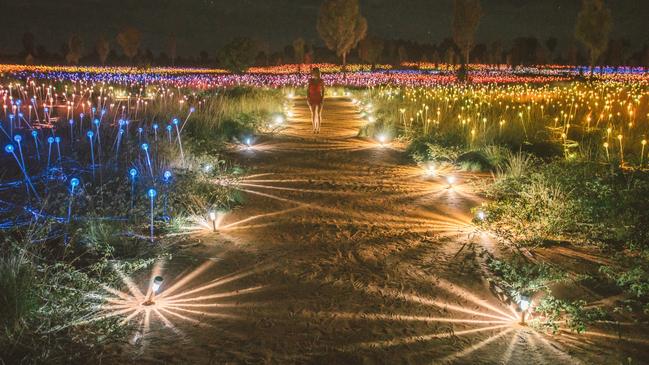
(344, 253)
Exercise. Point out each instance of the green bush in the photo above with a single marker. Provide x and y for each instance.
(18, 292)
(575, 314)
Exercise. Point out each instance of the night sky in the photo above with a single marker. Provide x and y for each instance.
(208, 24)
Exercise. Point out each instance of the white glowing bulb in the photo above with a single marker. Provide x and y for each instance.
(212, 215)
(157, 282)
(382, 138)
(524, 302)
(481, 215)
(450, 180)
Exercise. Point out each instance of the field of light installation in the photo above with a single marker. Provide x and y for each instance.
(501, 220)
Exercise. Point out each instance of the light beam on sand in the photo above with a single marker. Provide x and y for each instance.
(467, 351)
(435, 303)
(404, 318)
(182, 301)
(420, 338)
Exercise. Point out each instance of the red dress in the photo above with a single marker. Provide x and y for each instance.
(315, 91)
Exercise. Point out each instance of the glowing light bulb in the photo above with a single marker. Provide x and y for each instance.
(157, 282)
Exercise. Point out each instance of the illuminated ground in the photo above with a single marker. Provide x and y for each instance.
(344, 253)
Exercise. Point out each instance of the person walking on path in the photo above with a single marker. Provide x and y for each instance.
(315, 98)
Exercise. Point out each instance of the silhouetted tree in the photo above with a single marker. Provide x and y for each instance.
(103, 49)
(172, 45)
(28, 43)
(238, 55)
(298, 50)
(524, 51)
(341, 26)
(466, 18)
(204, 57)
(42, 52)
(618, 52)
(370, 50)
(551, 44)
(75, 49)
(496, 53)
(129, 40)
(403, 53)
(593, 28)
(480, 53)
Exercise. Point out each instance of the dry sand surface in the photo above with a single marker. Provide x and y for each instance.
(343, 254)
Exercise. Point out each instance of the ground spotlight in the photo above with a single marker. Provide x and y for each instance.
(212, 215)
(524, 303)
(451, 181)
(155, 287)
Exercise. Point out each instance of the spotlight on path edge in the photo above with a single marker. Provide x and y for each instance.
(155, 287)
(451, 181)
(382, 138)
(524, 303)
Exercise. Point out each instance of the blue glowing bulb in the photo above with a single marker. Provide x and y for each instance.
(140, 130)
(46, 110)
(71, 121)
(20, 115)
(9, 148)
(96, 121)
(169, 127)
(94, 109)
(167, 175)
(192, 109)
(122, 122)
(155, 126)
(152, 193)
(11, 116)
(132, 172)
(121, 131)
(81, 115)
(74, 182)
(57, 139)
(145, 146)
(50, 140)
(18, 138)
(175, 121)
(34, 134)
(103, 111)
(90, 134)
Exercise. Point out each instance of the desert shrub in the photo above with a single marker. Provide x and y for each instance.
(18, 295)
(46, 304)
(566, 200)
(631, 274)
(232, 113)
(531, 212)
(575, 314)
(438, 148)
(524, 277)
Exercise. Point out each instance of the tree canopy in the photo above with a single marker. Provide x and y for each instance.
(341, 26)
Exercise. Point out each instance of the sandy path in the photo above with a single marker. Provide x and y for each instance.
(343, 254)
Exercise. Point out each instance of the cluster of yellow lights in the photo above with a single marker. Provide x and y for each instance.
(566, 112)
